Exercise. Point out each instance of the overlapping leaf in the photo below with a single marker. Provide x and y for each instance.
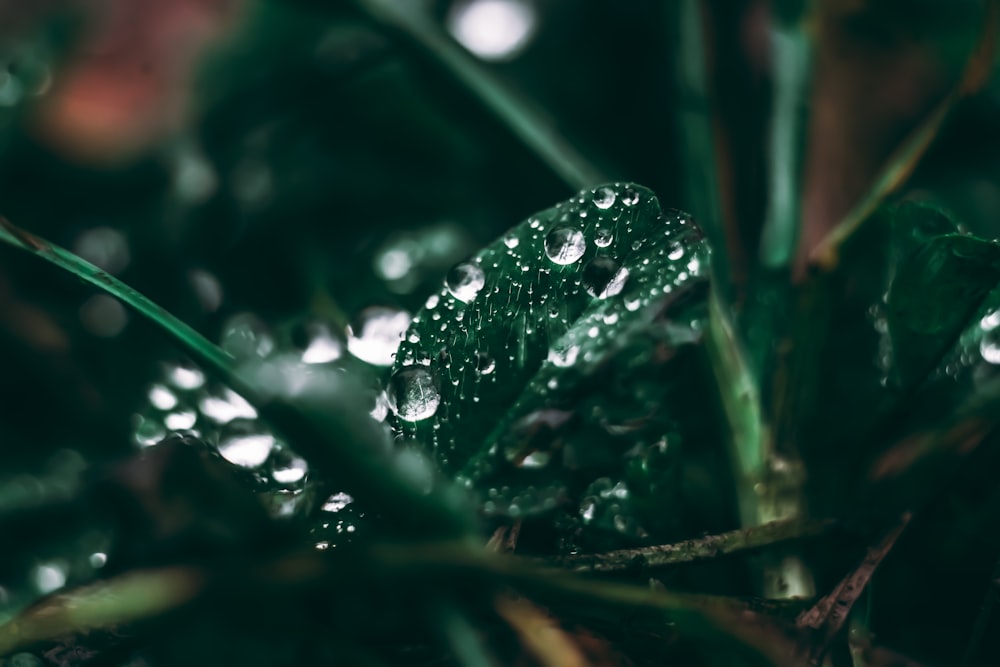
(546, 362)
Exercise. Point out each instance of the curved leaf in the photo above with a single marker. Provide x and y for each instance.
(544, 355)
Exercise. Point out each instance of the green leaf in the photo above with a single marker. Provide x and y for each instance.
(553, 351)
(936, 290)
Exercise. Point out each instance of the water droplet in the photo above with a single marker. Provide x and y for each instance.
(563, 358)
(97, 559)
(376, 333)
(161, 398)
(245, 336)
(381, 408)
(588, 508)
(990, 351)
(185, 376)
(226, 406)
(630, 198)
(632, 304)
(465, 280)
(604, 198)
(676, 253)
(49, 577)
(180, 420)
(485, 364)
(603, 238)
(604, 278)
(243, 443)
(290, 471)
(990, 321)
(510, 240)
(536, 459)
(414, 394)
(337, 502)
(103, 316)
(565, 245)
(104, 247)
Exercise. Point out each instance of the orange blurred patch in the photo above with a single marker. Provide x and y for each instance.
(128, 84)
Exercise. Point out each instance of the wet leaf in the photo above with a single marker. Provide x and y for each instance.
(543, 357)
(937, 289)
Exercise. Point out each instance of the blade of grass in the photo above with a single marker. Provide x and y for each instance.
(526, 121)
(701, 150)
(337, 436)
(697, 550)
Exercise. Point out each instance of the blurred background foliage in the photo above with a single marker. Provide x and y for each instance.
(271, 170)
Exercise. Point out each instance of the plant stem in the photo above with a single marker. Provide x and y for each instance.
(697, 550)
(523, 118)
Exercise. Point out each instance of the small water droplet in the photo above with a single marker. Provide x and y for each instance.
(376, 333)
(604, 198)
(290, 471)
(485, 364)
(510, 240)
(536, 459)
(465, 280)
(49, 577)
(243, 443)
(337, 502)
(603, 238)
(565, 245)
(676, 253)
(226, 406)
(161, 398)
(414, 394)
(245, 336)
(563, 358)
(630, 198)
(180, 420)
(632, 304)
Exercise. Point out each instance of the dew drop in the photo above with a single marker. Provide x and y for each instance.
(376, 333)
(604, 198)
(244, 444)
(337, 502)
(510, 240)
(185, 376)
(630, 198)
(485, 364)
(290, 471)
(676, 253)
(414, 394)
(465, 280)
(162, 398)
(565, 245)
(603, 238)
(225, 407)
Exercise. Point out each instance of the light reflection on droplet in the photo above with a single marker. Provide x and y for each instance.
(337, 502)
(292, 471)
(565, 245)
(49, 577)
(180, 420)
(376, 333)
(162, 398)
(323, 348)
(414, 395)
(185, 376)
(247, 450)
(495, 30)
(226, 407)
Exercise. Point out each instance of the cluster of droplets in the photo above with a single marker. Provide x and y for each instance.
(525, 320)
(184, 401)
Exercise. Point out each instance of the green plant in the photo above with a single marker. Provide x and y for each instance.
(616, 434)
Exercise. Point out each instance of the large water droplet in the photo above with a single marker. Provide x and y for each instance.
(465, 280)
(414, 393)
(337, 502)
(376, 333)
(565, 245)
(225, 407)
(510, 240)
(604, 198)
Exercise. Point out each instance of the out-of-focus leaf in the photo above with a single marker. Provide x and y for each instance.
(552, 355)
(935, 292)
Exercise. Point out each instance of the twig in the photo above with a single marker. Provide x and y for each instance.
(696, 550)
(983, 619)
(828, 615)
(527, 122)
